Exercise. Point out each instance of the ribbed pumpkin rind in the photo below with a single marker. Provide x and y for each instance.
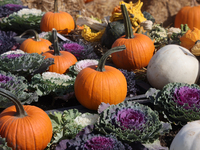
(139, 51)
(59, 21)
(188, 15)
(61, 62)
(32, 46)
(93, 87)
(31, 132)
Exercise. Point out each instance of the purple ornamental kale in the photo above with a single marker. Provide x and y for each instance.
(7, 41)
(79, 49)
(93, 142)
(130, 119)
(13, 56)
(7, 9)
(187, 95)
(5, 79)
(131, 84)
(179, 102)
(73, 48)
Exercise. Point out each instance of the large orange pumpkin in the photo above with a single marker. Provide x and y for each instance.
(139, 47)
(97, 84)
(188, 15)
(36, 45)
(63, 22)
(25, 127)
(62, 59)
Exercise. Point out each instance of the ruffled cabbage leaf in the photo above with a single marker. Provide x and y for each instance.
(178, 102)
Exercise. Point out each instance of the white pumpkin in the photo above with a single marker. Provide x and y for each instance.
(188, 138)
(172, 63)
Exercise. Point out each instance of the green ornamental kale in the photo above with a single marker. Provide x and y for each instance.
(24, 64)
(18, 86)
(22, 20)
(52, 83)
(130, 121)
(3, 144)
(64, 126)
(179, 102)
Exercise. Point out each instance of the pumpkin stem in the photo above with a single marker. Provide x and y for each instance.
(55, 6)
(102, 61)
(36, 35)
(55, 43)
(127, 22)
(19, 107)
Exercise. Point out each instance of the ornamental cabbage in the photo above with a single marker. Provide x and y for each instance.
(24, 64)
(3, 144)
(66, 124)
(8, 9)
(22, 20)
(18, 86)
(55, 84)
(130, 121)
(7, 41)
(93, 142)
(80, 49)
(80, 65)
(179, 102)
(131, 83)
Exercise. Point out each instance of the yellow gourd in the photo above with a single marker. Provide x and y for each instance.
(134, 10)
(90, 36)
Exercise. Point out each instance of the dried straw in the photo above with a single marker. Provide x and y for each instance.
(96, 8)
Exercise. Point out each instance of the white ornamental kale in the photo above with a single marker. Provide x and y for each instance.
(130, 121)
(22, 20)
(86, 119)
(17, 51)
(25, 12)
(18, 86)
(66, 124)
(80, 65)
(52, 83)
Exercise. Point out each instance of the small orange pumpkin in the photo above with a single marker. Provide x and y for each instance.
(24, 126)
(36, 45)
(62, 59)
(139, 47)
(97, 84)
(189, 39)
(188, 15)
(63, 22)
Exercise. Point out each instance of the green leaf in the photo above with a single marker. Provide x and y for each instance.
(3, 144)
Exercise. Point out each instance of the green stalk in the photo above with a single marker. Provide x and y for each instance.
(55, 6)
(19, 107)
(55, 43)
(102, 61)
(31, 31)
(127, 22)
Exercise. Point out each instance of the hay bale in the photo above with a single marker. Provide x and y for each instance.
(96, 8)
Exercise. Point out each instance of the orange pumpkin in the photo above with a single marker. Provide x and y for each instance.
(189, 39)
(63, 22)
(188, 15)
(62, 59)
(24, 126)
(87, 1)
(139, 47)
(36, 45)
(97, 84)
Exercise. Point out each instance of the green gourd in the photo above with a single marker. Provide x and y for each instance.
(113, 31)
